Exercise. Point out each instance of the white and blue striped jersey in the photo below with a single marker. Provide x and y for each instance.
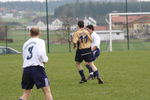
(34, 52)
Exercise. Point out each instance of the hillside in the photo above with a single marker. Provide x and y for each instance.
(99, 10)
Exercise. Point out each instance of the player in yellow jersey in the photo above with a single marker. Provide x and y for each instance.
(82, 42)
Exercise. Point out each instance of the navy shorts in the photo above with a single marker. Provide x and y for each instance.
(34, 75)
(96, 53)
(84, 54)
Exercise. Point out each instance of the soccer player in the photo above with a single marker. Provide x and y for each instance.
(95, 46)
(82, 41)
(34, 59)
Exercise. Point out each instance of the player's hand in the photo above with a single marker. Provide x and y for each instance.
(44, 63)
(74, 47)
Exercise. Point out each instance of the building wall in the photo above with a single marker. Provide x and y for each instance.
(115, 35)
(141, 28)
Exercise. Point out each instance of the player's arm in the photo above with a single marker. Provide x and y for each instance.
(42, 52)
(44, 63)
(75, 40)
(94, 48)
(74, 45)
(23, 54)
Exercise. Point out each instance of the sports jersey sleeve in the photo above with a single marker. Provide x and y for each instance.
(42, 52)
(23, 54)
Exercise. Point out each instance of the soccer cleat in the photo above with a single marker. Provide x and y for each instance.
(82, 80)
(91, 77)
(100, 81)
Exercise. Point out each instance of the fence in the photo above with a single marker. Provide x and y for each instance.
(63, 17)
(134, 31)
(15, 36)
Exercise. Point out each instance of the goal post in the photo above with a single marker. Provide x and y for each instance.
(120, 14)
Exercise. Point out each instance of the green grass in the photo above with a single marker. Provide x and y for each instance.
(126, 75)
(133, 45)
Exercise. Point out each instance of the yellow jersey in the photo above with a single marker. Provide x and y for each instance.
(83, 38)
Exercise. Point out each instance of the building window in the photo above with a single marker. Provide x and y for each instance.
(118, 33)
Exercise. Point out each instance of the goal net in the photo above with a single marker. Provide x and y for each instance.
(129, 31)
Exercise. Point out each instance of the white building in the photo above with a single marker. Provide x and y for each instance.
(39, 24)
(89, 21)
(56, 25)
(73, 27)
(116, 35)
(8, 15)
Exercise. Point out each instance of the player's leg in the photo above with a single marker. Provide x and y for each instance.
(78, 60)
(26, 95)
(81, 72)
(41, 81)
(96, 73)
(91, 76)
(89, 59)
(96, 54)
(47, 93)
(27, 84)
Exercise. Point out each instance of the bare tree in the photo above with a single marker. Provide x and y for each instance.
(2, 30)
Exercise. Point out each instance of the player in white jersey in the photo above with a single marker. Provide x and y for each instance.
(95, 46)
(34, 59)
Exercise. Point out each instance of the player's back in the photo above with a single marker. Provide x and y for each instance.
(83, 37)
(33, 49)
(95, 40)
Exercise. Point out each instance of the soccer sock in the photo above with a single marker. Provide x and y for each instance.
(20, 99)
(96, 74)
(89, 68)
(81, 72)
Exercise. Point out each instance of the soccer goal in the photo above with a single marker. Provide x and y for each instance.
(128, 29)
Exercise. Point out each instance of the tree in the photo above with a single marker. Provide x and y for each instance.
(98, 10)
(2, 32)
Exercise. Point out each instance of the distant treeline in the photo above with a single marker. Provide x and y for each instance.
(99, 10)
(31, 6)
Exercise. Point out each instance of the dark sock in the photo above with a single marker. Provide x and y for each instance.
(20, 99)
(89, 68)
(81, 72)
(96, 74)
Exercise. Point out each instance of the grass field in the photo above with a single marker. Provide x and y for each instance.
(126, 75)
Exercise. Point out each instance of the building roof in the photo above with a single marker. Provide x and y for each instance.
(131, 19)
(98, 28)
(2, 9)
(13, 10)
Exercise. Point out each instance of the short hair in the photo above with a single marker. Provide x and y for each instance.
(34, 31)
(90, 27)
(81, 24)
